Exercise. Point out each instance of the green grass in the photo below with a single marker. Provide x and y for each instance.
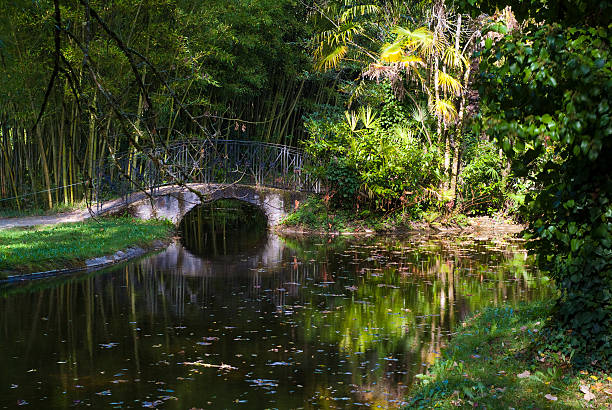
(25, 250)
(481, 368)
(313, 215)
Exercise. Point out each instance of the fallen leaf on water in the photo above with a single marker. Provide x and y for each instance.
(551, 397)
(221, 366)
(524, 375)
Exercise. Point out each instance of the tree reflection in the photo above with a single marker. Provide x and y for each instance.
(224, 227)
(346, 319)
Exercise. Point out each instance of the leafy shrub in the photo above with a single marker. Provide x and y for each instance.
(368, 166)
(560, 78)
(343, 179)
(483, 183)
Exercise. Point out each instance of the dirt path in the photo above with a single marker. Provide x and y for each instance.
(74, 216)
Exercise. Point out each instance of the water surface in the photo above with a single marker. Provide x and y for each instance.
(262, 322)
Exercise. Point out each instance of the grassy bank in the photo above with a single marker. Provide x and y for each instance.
(314, 216)
(25, 250)
(493, 363)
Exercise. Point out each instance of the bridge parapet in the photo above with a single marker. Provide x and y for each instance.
(204, 161)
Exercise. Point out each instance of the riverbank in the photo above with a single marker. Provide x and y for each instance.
(72, 245)
(313, 217)
(493, 362)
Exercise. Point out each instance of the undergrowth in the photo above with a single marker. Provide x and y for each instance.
(314, 214)
(494, 363)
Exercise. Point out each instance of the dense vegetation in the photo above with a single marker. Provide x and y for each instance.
(83, 81)
(550, 114)
(80, 80)
(491, 364)
(431, 106)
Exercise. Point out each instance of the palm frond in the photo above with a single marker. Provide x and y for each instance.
(454, 58)
(368, 117)
(331, 59)
(402, 135)
(446, 110)
(420, 41)
(411, 61)
(391, 53)
(419, 113)
(449, 84)
(332, 45)
(352, 120)
(323, 39)
(401, 32)
(359, 10)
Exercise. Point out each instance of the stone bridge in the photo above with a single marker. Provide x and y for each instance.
(174, 202)
(269, 176)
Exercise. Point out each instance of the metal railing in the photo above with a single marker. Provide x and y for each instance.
(209, 161)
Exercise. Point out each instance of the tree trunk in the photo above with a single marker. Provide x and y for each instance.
(43, 159)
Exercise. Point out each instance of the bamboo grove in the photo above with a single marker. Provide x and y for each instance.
(138, 73)
(84, 80)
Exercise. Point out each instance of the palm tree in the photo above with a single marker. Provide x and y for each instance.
(412, 55)
(338, 41)
(423, 64)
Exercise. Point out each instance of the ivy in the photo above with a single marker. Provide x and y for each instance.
(545, 101)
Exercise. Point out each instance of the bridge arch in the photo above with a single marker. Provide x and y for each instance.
(173, 203)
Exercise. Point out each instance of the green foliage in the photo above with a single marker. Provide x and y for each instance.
(366, 165)
(490, 363)
(343, 179)
(393, 111)
(313, 213)
(228, 68)
(318, 215)
(571, 11)
(546, 101)
(483, 183)
(68, 245)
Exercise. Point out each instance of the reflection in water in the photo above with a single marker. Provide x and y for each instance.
(301, 322)
(224, 227)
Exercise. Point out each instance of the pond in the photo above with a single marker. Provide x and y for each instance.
(233, 316)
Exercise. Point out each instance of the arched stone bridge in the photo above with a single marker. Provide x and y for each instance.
(269, 176)
(174, 202)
